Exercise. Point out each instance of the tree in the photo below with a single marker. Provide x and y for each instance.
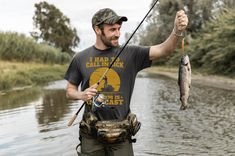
(199, 12)
(161, 21)
(54, 28)
(214, 47)
(160, 24)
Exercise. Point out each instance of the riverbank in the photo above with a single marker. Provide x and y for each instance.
(17, 75)
(197, 78)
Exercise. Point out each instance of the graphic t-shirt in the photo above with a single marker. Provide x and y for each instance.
(88, 66)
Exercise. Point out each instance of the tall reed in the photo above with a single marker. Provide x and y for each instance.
(18, 47)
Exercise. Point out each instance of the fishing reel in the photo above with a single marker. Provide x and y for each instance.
(99, 101)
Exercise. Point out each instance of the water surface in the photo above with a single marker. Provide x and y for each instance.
(33, 121)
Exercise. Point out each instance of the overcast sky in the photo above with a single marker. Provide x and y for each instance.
(16, 15)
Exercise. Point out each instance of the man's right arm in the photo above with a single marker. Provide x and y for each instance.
(73, 93)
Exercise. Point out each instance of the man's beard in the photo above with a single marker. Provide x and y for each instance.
(107, 41)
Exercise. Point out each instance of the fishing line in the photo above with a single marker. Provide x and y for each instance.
(182, 45)
(111, 64)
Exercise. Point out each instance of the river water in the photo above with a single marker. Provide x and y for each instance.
(33, 121)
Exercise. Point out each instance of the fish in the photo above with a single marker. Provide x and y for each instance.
(184, 81)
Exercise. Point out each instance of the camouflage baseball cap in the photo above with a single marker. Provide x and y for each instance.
(107, 16)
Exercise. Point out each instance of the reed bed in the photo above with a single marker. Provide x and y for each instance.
(17, 74)
(18, 47)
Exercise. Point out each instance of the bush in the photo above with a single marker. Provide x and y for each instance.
(214, 48)
(18, 47)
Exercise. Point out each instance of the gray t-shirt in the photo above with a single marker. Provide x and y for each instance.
(88, 66)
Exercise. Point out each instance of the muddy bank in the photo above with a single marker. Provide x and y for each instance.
(206, 80)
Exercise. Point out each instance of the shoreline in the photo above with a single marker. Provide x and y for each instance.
(215, 81)
(205, 80)
(15, 89)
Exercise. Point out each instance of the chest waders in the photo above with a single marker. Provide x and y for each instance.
(97, 103)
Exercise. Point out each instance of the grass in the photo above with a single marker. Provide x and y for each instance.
(16, 74)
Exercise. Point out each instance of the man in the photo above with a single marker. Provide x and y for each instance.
(88, 66)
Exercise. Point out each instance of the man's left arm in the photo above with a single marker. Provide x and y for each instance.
(169, 45)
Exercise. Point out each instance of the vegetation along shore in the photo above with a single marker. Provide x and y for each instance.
(24, 62)
(17, 74)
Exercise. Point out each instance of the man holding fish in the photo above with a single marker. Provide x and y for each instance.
(108, 124)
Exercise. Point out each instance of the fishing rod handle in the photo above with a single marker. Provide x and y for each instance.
(72, 120)
(75, 115)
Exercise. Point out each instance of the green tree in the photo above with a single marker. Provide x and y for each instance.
(161, 22)
(214, 48)
(199, 11)
(54, 28)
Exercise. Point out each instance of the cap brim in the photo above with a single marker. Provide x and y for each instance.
(116, 20)
(123, 18)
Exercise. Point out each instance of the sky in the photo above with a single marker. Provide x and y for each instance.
(16, 15)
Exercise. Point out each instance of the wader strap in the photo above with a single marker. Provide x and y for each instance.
(79, 154)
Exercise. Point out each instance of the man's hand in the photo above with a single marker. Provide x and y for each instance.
(74, 94)
(181, 22)
(89, 92)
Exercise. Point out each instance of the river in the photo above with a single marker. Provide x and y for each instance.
(33, 122)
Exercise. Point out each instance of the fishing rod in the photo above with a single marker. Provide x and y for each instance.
(111, 64)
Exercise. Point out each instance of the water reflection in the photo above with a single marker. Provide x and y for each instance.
(19, 98)
(33, 122)
(53, 107)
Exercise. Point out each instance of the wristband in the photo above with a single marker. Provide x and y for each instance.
(178, 35)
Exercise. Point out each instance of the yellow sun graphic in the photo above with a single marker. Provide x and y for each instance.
(110, 83)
